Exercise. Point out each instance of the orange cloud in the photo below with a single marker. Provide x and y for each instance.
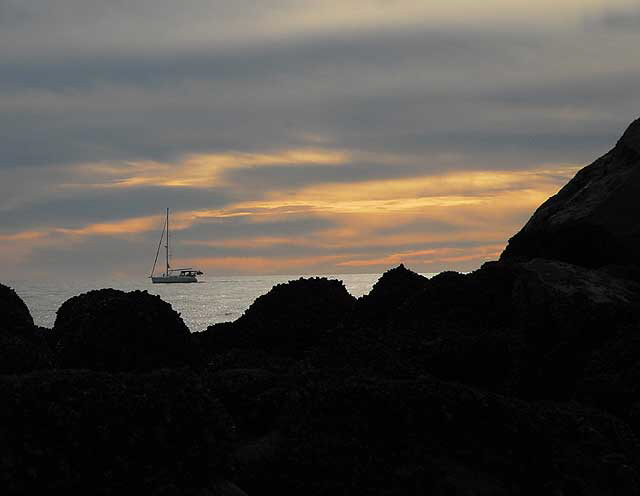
(477, 189)
(23, 236)
(446, 190)
(126, 226)
(447, 254)
(261, 265)
(198, 170)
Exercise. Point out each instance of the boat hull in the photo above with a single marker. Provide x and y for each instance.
(173, 279)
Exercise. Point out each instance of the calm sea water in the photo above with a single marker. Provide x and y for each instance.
(216, 299)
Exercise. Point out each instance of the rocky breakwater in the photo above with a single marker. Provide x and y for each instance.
(518, 378)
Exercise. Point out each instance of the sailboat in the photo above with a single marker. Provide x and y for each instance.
(171, 275)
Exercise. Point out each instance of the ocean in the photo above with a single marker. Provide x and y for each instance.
(215, 299)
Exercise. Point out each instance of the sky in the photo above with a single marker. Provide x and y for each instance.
(297, 137)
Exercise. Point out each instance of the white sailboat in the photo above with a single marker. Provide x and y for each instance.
(171, 275)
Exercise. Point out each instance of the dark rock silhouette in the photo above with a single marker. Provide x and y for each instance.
(593, 220)
(113, 330)
(459, 326)
(287, 320)
(311, 305)
(519, 328)
(242, 358)
(81, 432)
(357, 435)
(524, 329)
(23, 347)
(476, 301)
(252, 396)
(14, 314)
(388, 294)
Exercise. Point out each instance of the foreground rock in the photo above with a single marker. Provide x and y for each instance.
(388, 295)
(525, 329)
(253, 397)
(287, 320)
(113, 330)
(80, 432)
(593, 220)
(362, 436)
(23, 347)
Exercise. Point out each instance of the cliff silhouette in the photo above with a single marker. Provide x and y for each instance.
(593, 220)
(522, 377)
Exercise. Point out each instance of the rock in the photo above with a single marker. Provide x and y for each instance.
(360, 435)
(238, 358)
(478, 301)
(522, 328)
(83, 432)
(310, 304)
(223, 488)
(401, 332)
(567, 313)
(251, 396)
(451, 325)
(255, 459)
(556, 301)
(388, 294)
(287, 320)
(113, 330)
(611, 377)
(19, 354)
(14, 314)
(593, 220)
(527, 329)
(23, 347)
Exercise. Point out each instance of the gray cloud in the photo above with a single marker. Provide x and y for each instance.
(340, 54)
(398, 92)
(618, 20)
(79, 208)
(99, 257)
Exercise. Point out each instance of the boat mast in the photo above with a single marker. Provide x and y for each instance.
(155, 261)
(167, 245)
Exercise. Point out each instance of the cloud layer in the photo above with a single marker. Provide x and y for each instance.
(307, 136)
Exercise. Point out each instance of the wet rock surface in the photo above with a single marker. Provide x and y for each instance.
(114, 330)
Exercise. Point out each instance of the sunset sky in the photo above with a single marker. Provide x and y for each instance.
(298, 137)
